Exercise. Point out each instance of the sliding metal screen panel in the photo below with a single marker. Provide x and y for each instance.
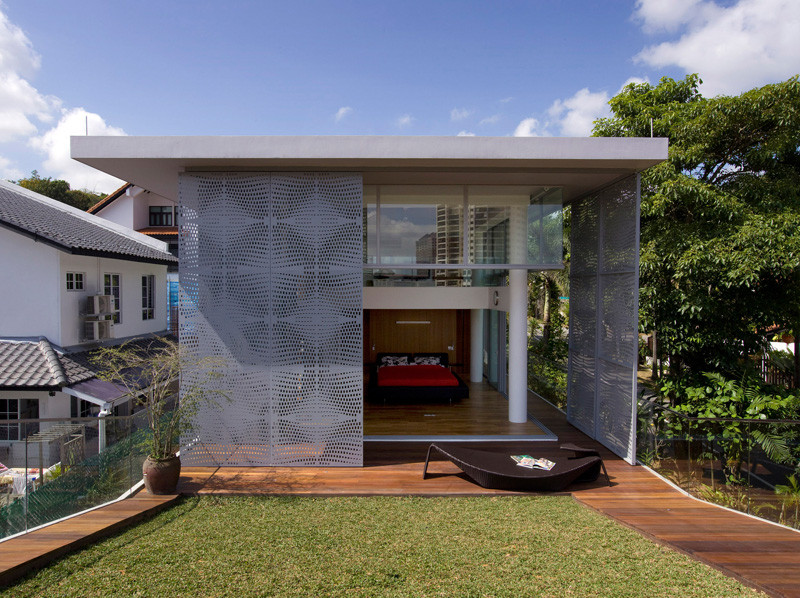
(271, 280)
(604, 292)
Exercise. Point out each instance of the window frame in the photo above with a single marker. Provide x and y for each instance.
(161, 216)
(75, 281)
(9, 424)
(109, 288)
(148, 297)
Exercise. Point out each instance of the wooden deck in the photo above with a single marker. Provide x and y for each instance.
(762, 555)
(23, 554)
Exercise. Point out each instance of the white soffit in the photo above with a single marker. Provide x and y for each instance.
(579, 164)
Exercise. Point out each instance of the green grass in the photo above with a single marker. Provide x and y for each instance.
(383, 546)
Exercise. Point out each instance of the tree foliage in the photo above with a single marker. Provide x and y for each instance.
(60, 191)
(720, 248)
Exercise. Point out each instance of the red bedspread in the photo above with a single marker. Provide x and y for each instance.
(416, 375)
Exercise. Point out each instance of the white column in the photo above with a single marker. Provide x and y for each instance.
(518, 317)
(518, 346)
(476, 346)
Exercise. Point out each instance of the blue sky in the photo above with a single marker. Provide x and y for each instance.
(498, 68)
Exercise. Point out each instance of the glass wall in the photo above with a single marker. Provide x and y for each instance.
(462, 229)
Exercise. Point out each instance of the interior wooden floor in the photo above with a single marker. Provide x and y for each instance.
(483, 413)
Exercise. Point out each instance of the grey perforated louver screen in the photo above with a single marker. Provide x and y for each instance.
(270, 281)
(603, 329)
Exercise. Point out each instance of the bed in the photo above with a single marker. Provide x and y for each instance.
(414, 378)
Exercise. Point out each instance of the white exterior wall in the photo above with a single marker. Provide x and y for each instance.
(29, 299)
(120, 211)
(133, 212)
(73, 304)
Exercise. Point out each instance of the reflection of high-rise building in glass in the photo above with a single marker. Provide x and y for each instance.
(449, 249)
(426, 252)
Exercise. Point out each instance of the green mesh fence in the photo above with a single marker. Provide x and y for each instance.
(92, 482)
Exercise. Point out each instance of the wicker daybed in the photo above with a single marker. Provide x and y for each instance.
(497, 470)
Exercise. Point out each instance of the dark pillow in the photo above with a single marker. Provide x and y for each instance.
(431, 358)
(394, 360)
(427, 360)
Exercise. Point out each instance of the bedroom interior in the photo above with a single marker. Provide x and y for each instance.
(473, 409)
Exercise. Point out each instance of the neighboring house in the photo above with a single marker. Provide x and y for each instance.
(302, 258)
(152, 215)
(71, 281)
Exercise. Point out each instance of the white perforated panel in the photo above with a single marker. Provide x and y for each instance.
(271, 282)
(604, 290)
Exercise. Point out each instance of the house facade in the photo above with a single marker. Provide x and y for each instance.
(73, 281)
(303, 258)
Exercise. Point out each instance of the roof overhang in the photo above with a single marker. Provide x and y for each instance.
(578, 164)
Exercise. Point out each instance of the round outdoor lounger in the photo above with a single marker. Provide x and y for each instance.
(498, 471)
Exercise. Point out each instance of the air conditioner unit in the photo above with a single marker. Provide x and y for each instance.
(97, 330)
(97, 305)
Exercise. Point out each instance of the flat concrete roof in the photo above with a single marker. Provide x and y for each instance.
(579, 164)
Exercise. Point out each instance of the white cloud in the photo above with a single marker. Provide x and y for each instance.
(465, 134)
(8, 171)
(459, 114)
(657, 15)
(20, 102)
(55, 144)
(527, 128)
(404, 121)
(342, 112)
(733, 48)
(574, 116)
(23, 111)
(506, 100)
(490, 120)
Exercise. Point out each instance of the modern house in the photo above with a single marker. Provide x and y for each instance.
(73, 281)
(304, 258)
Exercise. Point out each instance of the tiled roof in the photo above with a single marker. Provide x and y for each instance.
(71, 230)
(158, 230)
(36, 364)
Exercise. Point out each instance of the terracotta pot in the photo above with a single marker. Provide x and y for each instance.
(161, 475)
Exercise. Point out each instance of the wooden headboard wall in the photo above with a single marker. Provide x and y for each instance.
(417, 331)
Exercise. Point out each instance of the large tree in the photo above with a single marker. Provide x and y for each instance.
(720, 252)
(60, 191)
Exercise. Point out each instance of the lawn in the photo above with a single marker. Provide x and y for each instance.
(379, 546)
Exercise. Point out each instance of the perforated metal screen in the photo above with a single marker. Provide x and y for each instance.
(270, 281)
(603, 330)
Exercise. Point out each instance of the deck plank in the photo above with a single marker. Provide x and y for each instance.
(758, 553)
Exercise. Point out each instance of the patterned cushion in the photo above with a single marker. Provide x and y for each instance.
(428, 360)
(394, 360)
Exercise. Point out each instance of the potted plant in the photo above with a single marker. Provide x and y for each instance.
(150, 372)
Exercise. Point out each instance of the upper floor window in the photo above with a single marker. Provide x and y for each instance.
(74, 281)
(161, 215)
(148, 297)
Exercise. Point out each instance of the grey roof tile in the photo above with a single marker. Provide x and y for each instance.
(32, 364)
(71, 230)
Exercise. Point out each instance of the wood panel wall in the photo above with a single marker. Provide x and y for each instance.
(445, 327)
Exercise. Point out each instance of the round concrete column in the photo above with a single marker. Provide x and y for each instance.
(476, 345)
(518, 346)
(518, 317)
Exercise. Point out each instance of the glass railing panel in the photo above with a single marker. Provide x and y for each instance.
(749, 465)
(58, 467)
